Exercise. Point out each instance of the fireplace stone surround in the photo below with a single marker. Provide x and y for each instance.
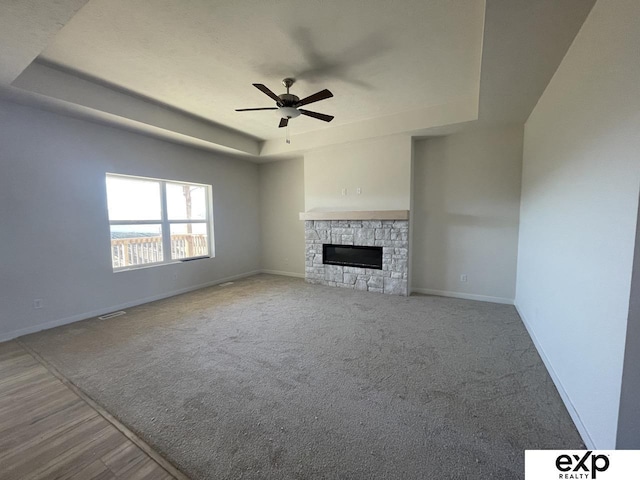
(391, 235)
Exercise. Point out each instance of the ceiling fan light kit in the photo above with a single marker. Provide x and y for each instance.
(288, 104)
(288, 112)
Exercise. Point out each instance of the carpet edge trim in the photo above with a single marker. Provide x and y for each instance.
(135, 439)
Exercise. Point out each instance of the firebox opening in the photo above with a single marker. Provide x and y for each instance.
(352, 256)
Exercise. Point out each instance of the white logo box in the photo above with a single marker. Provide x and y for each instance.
(581, 464)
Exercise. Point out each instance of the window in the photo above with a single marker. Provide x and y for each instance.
(157, 221)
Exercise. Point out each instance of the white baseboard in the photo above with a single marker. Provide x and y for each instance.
(573, 413)
(466, 296)
(286, 274)
(95, 313)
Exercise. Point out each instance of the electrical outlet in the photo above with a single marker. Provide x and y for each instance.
(463, 277)
(37, 303)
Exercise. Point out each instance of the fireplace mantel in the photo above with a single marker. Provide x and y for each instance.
(357, 215)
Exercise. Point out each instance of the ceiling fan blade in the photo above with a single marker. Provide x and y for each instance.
(321, 95)
(319, 116)
(264, 89)
(283, 122)
(252, 109)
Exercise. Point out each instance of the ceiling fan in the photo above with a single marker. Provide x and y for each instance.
(289, 104)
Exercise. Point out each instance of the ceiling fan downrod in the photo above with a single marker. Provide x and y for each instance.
(287, 82)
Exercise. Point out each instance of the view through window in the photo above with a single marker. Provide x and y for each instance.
(157, 221)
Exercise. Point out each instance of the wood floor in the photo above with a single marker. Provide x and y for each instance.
(47, 431)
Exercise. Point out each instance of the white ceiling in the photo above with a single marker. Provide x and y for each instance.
(377, 57)
(524, 42)
(177, 70)
(26, 26)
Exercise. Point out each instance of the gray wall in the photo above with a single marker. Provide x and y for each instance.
(629, 416)
(54, 237)
(466, 202)
(581, 174)
(282, 231)
(380, 167)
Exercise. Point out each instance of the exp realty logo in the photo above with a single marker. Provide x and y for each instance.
(575, 466)
(581, 464)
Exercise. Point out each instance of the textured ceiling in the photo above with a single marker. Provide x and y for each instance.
(418, 68)
(377, 57)
(524, 42)
(26, 26)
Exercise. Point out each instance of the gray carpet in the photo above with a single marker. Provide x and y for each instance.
(273, 378)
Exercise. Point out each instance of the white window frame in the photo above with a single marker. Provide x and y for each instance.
(166, 223)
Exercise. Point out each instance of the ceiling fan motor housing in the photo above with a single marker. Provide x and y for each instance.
(288, 99)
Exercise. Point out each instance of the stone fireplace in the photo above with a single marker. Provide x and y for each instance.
(386, 229)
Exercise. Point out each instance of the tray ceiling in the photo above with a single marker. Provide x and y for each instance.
(178, 70)
(378, 57)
